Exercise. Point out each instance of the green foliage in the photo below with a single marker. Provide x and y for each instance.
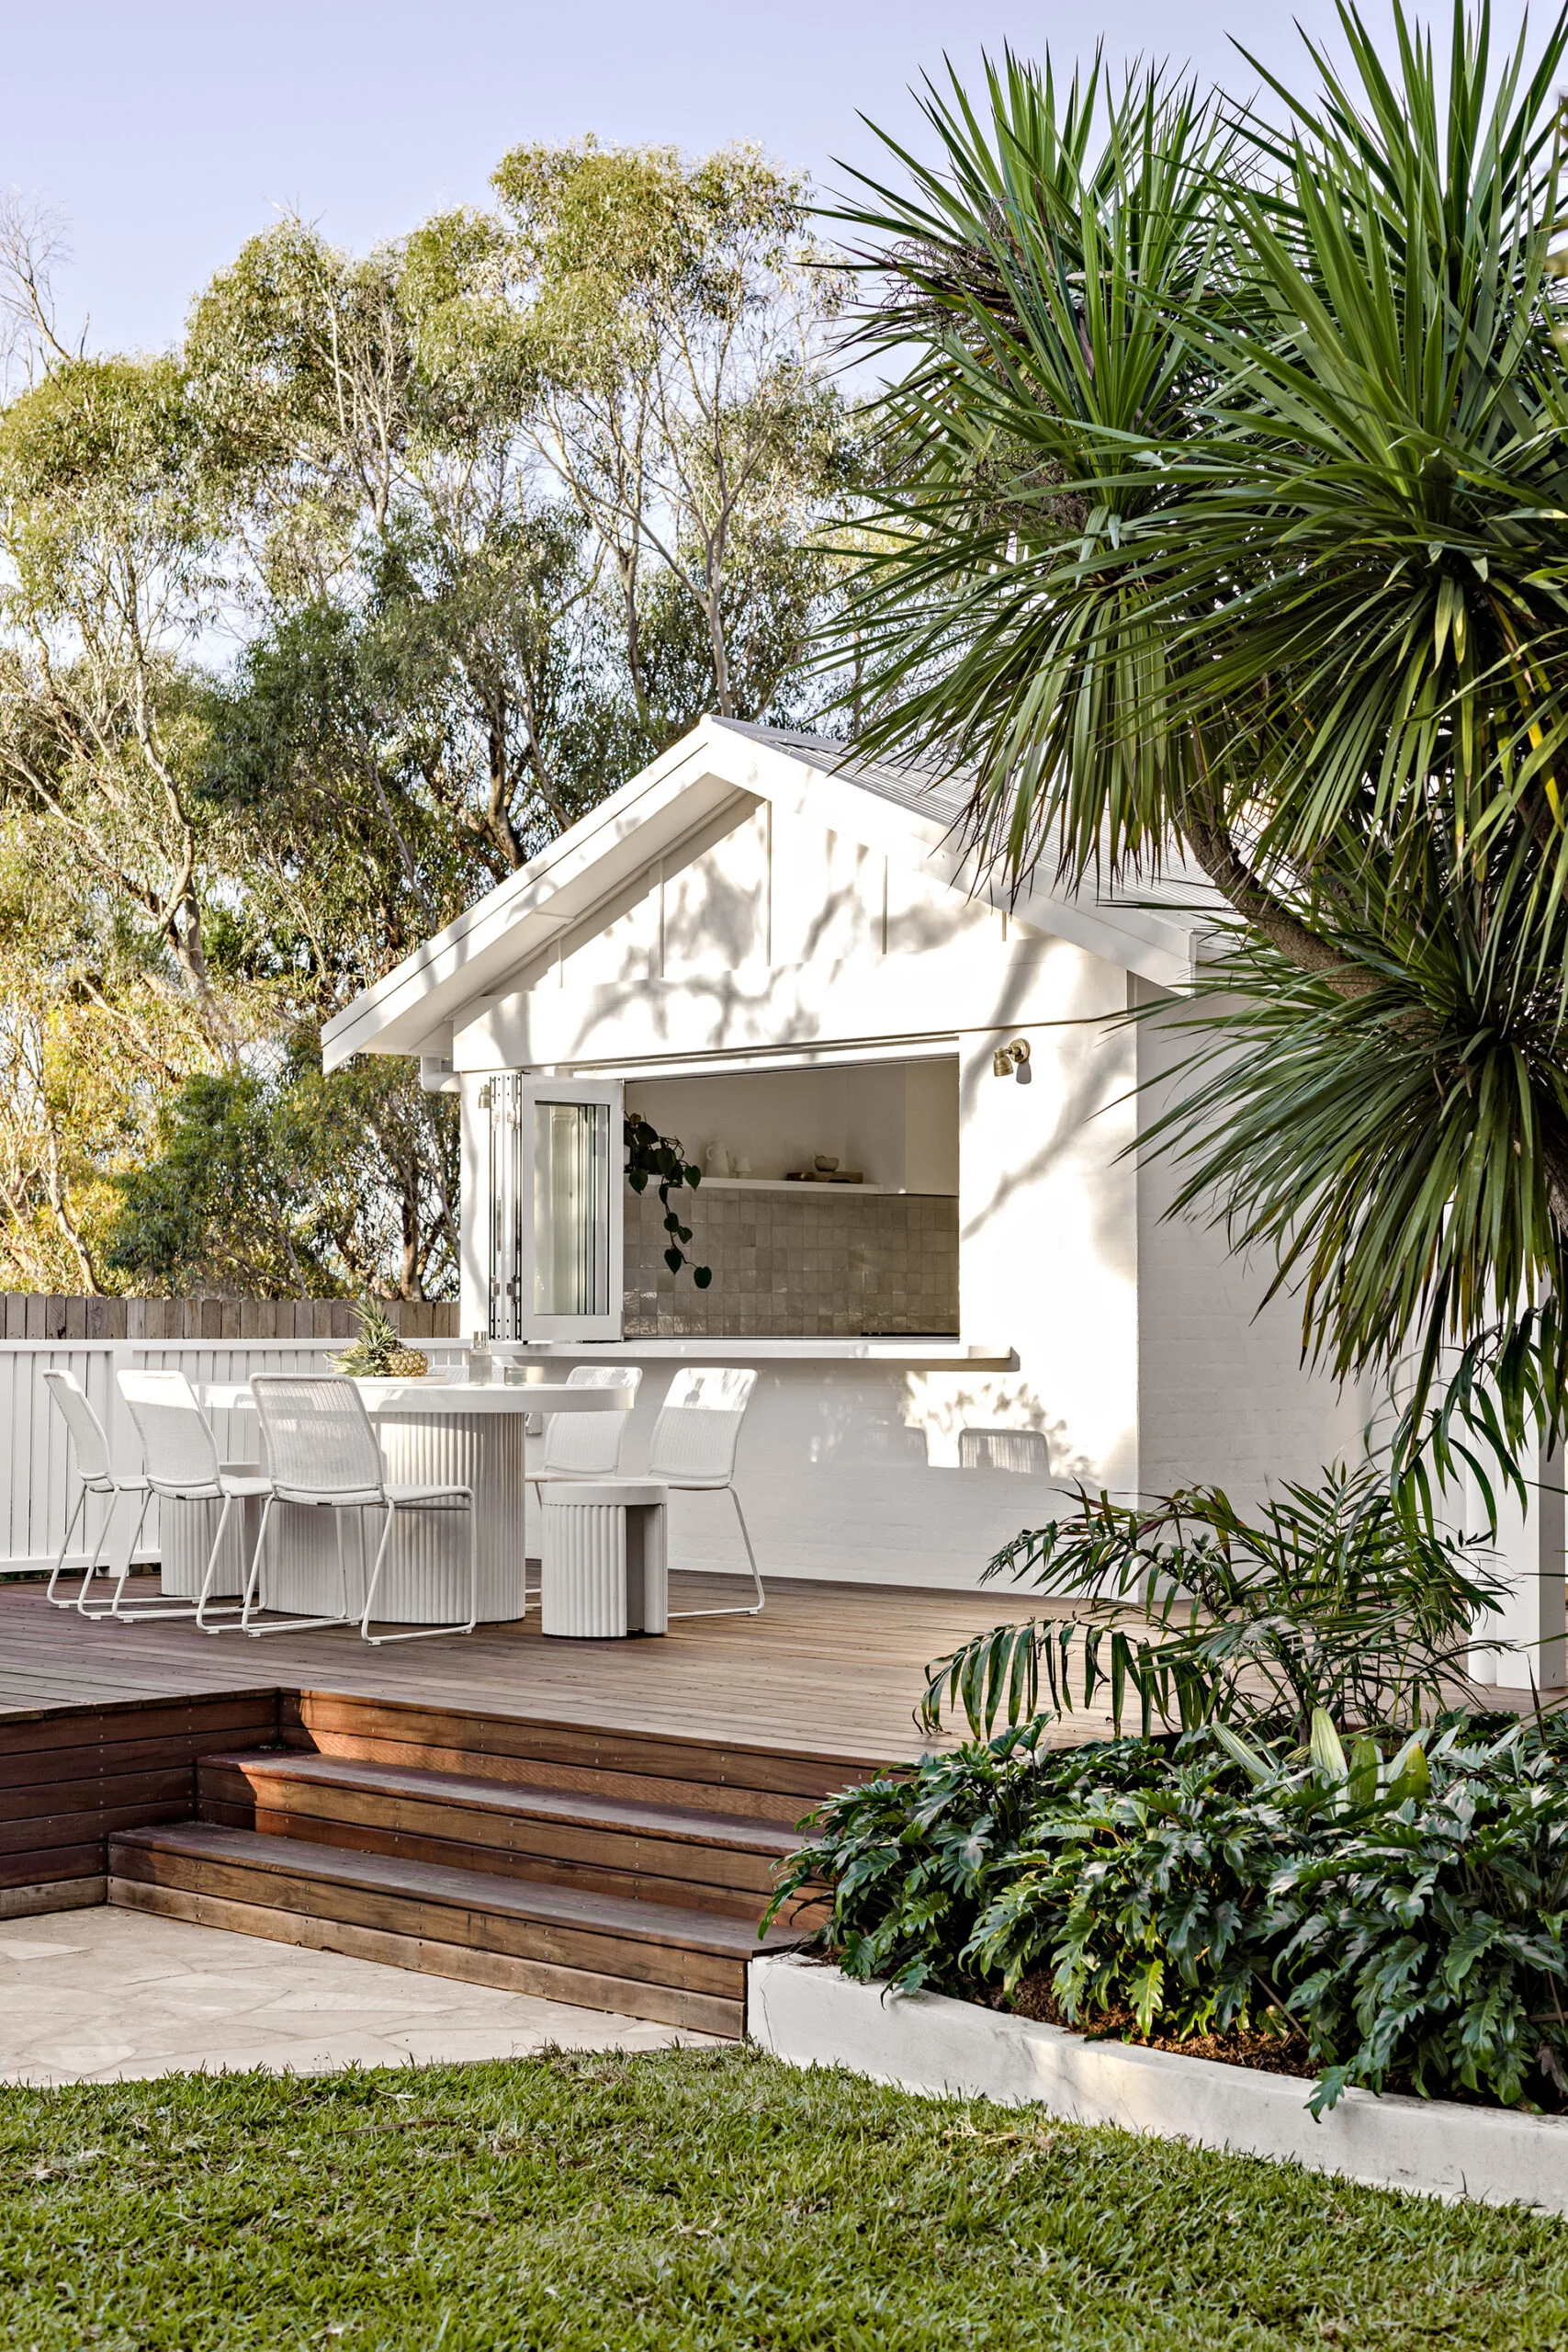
(1394, 1151)
(1336, 1597)
(1395, 1915)
(1227, 519)
(704, 2200)
(296, 1185)
(661, 1160)
(499, 508)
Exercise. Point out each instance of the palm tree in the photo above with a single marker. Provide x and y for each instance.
(1230, 515)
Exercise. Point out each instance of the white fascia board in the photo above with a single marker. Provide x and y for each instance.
(1157, 946)
(436, 985)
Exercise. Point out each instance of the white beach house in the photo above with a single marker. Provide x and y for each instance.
(776, 951)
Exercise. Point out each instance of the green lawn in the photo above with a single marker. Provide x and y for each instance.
(703, 2199)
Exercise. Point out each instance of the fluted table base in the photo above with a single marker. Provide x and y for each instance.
(318, 1561)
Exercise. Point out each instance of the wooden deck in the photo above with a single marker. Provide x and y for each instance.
(827, 1670)
(592, 1822)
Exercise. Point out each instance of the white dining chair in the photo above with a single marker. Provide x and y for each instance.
(587, 1445)
(693, 1451)
(99, 1478)
(180, 1455)
(323, 1450)
(584, 1445)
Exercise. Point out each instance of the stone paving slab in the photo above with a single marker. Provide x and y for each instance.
(106, 1995)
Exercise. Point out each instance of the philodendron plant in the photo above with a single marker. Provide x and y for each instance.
(1334, 1598)
(1393, 1910)
(661, 1160)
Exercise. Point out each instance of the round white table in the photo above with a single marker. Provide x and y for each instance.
(456, 1432)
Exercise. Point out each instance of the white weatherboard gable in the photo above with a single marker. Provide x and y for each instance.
(719, 766)
(486, 943)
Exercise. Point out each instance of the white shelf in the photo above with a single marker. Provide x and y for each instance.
(798, 1184)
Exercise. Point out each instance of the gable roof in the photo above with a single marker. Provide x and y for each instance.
(911, 812)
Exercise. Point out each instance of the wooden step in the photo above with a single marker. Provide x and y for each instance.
(718, 1862)
(642, 1768)
(647, 1960)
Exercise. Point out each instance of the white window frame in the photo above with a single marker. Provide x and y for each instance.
(513, 1095)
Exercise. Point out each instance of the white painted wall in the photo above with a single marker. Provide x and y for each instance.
(930, 1126)
(1225, 1398)
(848, 1472)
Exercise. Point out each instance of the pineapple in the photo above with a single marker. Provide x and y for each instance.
(378, 1354)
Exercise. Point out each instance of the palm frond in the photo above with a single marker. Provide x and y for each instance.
(1334, 1601)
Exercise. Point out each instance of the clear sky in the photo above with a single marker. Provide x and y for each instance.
(168, 131)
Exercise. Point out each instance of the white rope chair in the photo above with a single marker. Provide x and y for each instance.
(693, 1451)
(99, 1478)
(321, 1450)
(586, 1445)
(180, 1455)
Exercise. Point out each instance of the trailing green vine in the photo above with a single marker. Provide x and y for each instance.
(662, 1160)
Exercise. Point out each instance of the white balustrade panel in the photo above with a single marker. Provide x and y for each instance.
(37, 1483)
(310, 1569)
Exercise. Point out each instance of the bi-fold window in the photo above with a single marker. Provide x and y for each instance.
(557, 1194)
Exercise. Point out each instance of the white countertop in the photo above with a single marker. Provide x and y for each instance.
(717, 1349)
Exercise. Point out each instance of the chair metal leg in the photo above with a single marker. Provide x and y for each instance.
(423, 1632)
(206, 1593)
(281, 1624)
(738, 1608)
(64, 1547)
(111, 1608)
(169, 1611)
(751, 1555)
(252, 1574)
(375, 1572)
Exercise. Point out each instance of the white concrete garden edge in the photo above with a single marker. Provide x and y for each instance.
(812, 2015)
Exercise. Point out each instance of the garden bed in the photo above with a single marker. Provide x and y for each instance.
(810, 2013)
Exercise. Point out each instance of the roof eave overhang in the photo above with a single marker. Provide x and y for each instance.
(1157, 945)
(413, 1009)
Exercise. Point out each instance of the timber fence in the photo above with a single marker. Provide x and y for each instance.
(26, 1314)
(210, 1339)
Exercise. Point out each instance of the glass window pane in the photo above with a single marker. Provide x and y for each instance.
(572, 1208)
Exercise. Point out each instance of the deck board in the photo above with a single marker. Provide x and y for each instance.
(827, 1670)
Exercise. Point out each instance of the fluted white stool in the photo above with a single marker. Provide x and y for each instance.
(604, 1569)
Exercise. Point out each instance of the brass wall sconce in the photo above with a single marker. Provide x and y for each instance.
(1012, 1061)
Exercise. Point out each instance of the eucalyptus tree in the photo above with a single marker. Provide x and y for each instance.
(281, 1183)
(354, 479)
(96, 1024)
(1231, 513)
(668, 316)
(110, 575)
(576, 451)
